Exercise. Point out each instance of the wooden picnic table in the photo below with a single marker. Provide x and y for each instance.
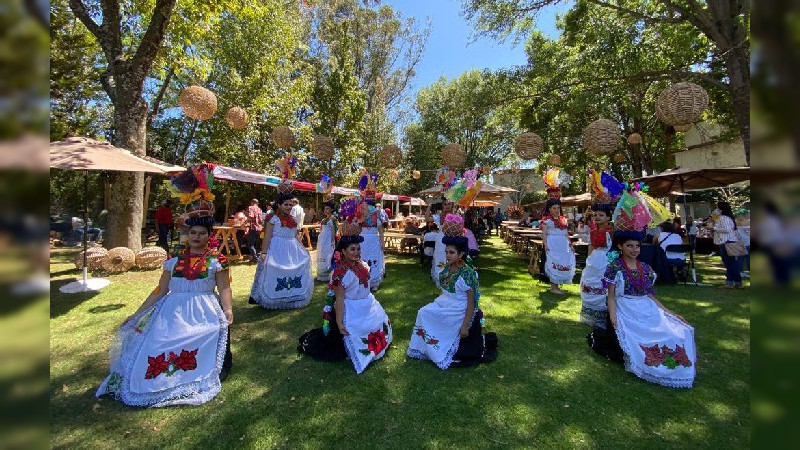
(225, 235)
(537, 256)
(394, 239)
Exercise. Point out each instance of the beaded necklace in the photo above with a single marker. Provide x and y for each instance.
(638, 281)
(190, 271)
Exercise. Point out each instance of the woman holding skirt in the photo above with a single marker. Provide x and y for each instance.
(449, 330)
(283, 277)
(355, 326)
(560, 257)
(594, 311)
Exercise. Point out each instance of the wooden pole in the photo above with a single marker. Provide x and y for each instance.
(227, 202)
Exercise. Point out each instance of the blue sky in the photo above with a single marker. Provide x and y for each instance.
(451, 49)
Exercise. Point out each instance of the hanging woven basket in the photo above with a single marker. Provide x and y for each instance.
(94, 258)
(554, 160)
(415, 174)
(198, 102)
(601, 137)
(390, 156)
(635, 139)
(394, 174)
(118, 260)
(619, 157)
(237, 118)
(681, 104)
(282, 136)
(150, 258)
(528, 145)
(453, 155)
(322, 147)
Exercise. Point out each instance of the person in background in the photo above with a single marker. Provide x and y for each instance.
(677, 226)
(298, 213)
(311, 214)
(691, 231)
(163, 222)
(772, 236)
(488, 217)
(743, 228)
(650, 234)
(725, 231)
(431, 233)
(666, 237)
(582, 231)
(255, 224)
(92, 232)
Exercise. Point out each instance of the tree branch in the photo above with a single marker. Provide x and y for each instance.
(80, 11)
(637, 14)
(151, 41)
(105, 80)
(111, 29)
(160, 96)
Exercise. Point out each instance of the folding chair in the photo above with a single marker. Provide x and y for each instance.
(689, 265)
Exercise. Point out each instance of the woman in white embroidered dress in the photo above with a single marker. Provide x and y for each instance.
(326, 242)
(283, 278)
(171, 350)
(594, 311)
(560, 263)
(449, 330)
(372, 246)
(438, 262)
(657, 344)
(355, 325)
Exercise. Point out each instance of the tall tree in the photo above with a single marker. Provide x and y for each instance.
(127, 67)
(725, 23)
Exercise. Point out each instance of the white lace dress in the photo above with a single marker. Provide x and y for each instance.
(657, 346)
(594, 310)
(326, 244)
(560, 264)
(371, 251)
(438, 262)
(172, 352)
(284, 281)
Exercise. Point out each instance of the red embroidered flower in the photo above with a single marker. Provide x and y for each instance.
(155, 366)
(433, 341)
(653, 356)
(187, 360)
(681, 357)
(421, 333)
(376, 341)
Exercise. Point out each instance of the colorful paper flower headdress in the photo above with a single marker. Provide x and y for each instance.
(555, 179)
(193, 190)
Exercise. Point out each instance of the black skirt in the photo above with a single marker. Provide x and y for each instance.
(476, 347)
(317, 345)
(605, 342)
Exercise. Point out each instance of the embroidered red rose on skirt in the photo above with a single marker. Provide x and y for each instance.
(376, 341)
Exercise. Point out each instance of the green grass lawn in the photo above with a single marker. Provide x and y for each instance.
(546, 389)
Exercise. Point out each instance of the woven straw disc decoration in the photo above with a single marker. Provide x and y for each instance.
(453, 155)
(94, 258)
(601, 137)
(322, 147)
(393, 174)
(619, 157)
(528, 145)
(150, 258)
(282, 136)
(119, 259)
(198, 102)
(415, 174)
(554, 160)
(681, 104)
(237, 118)
(391, 155)
(635, 139)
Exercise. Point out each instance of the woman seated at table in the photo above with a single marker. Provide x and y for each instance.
(448, 331)
(667, 236)
(354, 325)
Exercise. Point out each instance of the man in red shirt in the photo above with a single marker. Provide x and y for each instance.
(255, 222)
(163, 221)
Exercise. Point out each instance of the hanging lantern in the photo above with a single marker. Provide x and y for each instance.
(453, 155)
(528, 145)
(619, 157)
(322, 147)
(119, 259)
(390, 156)
(415, 174)
(682, 128)
(554, 160)
(282, 136)
(393, 174)
(635, 139)
(237, 118)
(601, 137)
(515, 167)
(681, 104)
(198, 102)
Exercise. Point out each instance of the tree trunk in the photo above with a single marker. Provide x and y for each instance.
(126, 204)
(737, 62)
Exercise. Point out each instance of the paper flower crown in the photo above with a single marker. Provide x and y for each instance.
(555, 179)
(636, 210)
(352, 213)
(286, 168)
(368, 184)
(603, 187)
(193, 190)
(464, 191)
